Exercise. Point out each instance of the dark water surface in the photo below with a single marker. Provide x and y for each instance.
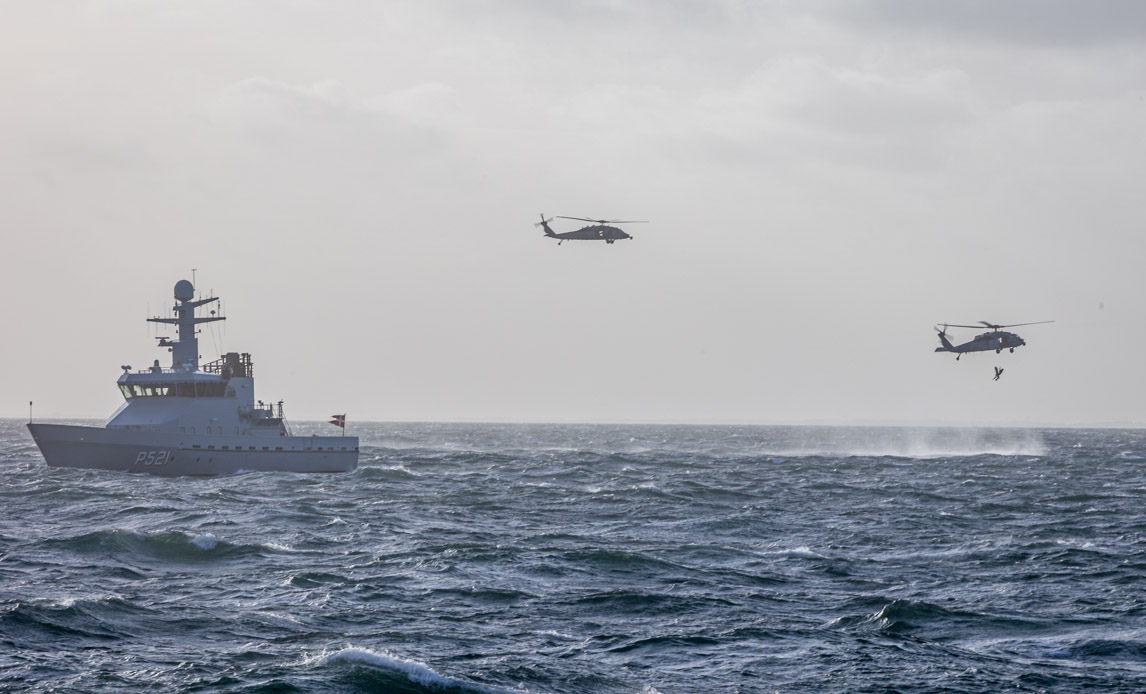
(557, 558)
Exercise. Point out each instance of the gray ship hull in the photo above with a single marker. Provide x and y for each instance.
(172, 454)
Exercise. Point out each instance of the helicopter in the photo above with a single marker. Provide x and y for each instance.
(997, 339)
(598, 231)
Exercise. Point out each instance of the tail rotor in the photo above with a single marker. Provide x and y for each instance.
(544, 224)
(947, 346)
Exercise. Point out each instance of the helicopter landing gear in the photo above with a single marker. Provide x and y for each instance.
(957, 357)
(1012, 350)
(998, 350)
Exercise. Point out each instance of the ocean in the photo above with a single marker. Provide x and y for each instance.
(590, 558)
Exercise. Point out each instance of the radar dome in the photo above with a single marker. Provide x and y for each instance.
(184, 290)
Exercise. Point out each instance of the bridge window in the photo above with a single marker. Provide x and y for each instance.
(210, 389)
(151, 390)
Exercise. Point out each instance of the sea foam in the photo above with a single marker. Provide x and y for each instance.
(416, 672)
(205, 542)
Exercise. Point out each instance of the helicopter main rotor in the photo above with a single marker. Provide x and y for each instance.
(993, 326)
(605, 221)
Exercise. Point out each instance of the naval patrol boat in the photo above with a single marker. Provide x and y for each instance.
(193, 419)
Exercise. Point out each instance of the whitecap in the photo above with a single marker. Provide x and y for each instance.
(419, 673)
(802, 551)
(556, 635)
(400, 468)
(205, 542)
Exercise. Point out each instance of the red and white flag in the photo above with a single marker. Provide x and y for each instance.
(339, 420)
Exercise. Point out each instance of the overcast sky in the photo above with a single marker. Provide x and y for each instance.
(358, 181)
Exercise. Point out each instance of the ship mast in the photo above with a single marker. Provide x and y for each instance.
(185, 350)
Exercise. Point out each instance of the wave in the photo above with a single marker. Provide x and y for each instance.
(921, 619)
(102, 619)
(391, 673)
(617, 560)
(803, 552)
(918, 444)
(1124, 648)
(667, 644)
(166, 546)
(316, 579)
(386, 472)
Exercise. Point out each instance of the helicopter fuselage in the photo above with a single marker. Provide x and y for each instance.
(596, 232)
(593, 232)
(996, 340)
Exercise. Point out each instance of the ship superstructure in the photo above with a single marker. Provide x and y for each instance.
(188, 419)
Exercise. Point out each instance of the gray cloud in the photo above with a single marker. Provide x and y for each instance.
(1052, 22)
(359, 180)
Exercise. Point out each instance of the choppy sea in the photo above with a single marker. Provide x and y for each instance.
(566, 558)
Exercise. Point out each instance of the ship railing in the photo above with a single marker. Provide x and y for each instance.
(231, 364)
(161, 370)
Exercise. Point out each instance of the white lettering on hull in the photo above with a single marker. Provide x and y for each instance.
(152, 457)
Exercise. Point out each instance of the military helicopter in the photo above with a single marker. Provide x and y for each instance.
(997, 339)
(598, 231)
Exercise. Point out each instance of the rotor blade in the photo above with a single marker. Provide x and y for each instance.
(603, 221)
(1014, 325)
(628, 221)
(543, 221)
(956, 325)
